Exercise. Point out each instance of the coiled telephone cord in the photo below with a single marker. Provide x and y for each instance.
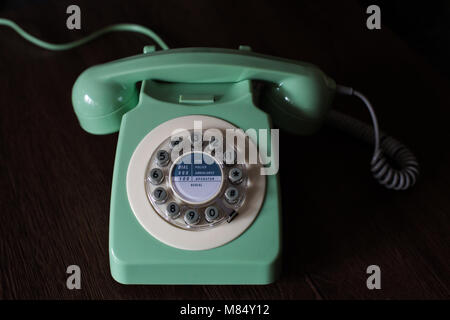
(393, 165)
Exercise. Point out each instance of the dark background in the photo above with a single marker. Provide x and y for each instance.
(56, 179)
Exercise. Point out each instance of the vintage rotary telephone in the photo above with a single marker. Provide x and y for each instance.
(187, 204)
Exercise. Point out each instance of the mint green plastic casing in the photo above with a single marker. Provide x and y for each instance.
(103, 93)
(297, 96)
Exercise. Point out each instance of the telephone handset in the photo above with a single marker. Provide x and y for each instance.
(103, 93)
(189, 202)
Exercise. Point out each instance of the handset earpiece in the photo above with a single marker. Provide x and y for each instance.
(298, 101)
(299, 105)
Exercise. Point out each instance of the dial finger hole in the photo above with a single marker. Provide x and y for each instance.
(211, 214)
(162, 158)
(159, 195)
(173, 210)
(156, 176)
(231, 195)
(191, 217)
(235, 175)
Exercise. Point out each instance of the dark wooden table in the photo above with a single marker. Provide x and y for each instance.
(56, 178)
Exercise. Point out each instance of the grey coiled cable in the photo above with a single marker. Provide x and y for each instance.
(387, 152)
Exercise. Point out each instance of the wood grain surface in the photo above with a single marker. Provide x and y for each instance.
(56, 178)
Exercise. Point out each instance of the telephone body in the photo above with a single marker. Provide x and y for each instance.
(163, 230)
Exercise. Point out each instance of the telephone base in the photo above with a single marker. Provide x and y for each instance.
(136, 255)
(195, 272)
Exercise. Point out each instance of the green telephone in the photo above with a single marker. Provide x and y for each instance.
(219, 224)
(195, 197)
